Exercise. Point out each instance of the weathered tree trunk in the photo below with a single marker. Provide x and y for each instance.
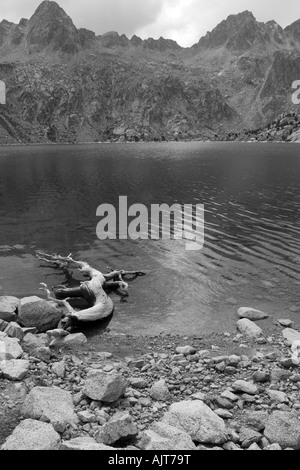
(93, 290)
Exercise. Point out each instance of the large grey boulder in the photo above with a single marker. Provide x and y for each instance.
(249, 328)
(83, 443)
(9, 348)
(36, 312)
(50, 404)
(119, 427)
(283, 428)
(14, 369)
(8, 308)
(32, 435)
(251, 314)
(101, 386)
(198, 420)
(162, 436)
(37, 346)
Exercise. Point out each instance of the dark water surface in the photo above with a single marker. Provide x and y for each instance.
(251, 192)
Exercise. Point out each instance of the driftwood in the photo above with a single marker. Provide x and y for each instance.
(92, 290)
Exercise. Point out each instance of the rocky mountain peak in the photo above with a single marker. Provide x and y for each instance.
(51, 26)
(160, 44)
(113, 39)
(293, 31)
(239, 33)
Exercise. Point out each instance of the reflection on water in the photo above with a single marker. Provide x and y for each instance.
(48, 201)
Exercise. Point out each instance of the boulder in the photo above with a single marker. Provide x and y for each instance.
(285, 322)
(3, 325)
(251, 314)
(261, 376)
(242, 386)
(37, 346)
(13, 330)
(83, 443)
(101, 386)
(138, 383)
(198, 420)
(273, 447)
(253, 419)
(10, 348)
(249, 436)
(278, 375)
(50, 404)
(249, 328)
(225, 414)
(32, 435)
(86, 416)
(291, 335)
(59, 369)
(254, 446)
(283, 428)
(36, 312)
(29, 330)
(119, 428)
(231, 446)
(185, 350)
(162, 436)
(73, 341)
(9, 308)
(160, 391)
(229, 396)
(277, 397)
(14, 369)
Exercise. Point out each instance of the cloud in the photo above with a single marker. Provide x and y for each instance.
(100, 16)
(182, 20)
(187, 20)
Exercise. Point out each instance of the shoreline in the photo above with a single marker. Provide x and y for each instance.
(56, 144)
(162, 372)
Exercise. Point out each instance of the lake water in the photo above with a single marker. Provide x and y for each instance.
(251, 257)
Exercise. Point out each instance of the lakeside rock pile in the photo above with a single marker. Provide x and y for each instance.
(184, 398)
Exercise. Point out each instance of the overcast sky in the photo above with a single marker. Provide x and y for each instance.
(182, 20)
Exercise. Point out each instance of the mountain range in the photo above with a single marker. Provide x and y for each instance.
(66, 84)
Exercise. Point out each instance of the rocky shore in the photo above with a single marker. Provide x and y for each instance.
(232, 391)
